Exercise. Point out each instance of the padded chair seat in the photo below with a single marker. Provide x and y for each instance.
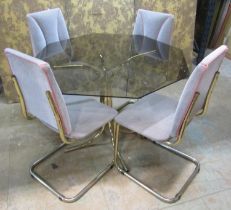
(88, 116)
(152, 117)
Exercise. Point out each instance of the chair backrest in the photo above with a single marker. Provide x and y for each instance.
(145, 45)
(198, 82)
(35, 77)
(154, 25)
(46, 27)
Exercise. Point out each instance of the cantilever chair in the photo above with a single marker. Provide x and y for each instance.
(41, 97)
(154, 25)
(46, 27)
(150, 25)
(163, 120)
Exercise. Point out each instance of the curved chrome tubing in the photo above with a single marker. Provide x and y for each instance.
(48, 186)
(52, 189)
(89, 143)
(86, 143)
(152, 191)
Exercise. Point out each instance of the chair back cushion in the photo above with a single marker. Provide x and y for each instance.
(154, 25)
(199, 81)
(35, 77)
(46, 27)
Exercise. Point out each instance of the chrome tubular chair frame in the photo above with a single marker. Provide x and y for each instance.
(152, 191)
(211, 88)
(66, 142)
(117, 156)
(53, 190)
(89, 142)
(61, 130)
(178, 195)
(21, 99)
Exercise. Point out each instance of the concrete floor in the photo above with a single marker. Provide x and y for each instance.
(207, 138)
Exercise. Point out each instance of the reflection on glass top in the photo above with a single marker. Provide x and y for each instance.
(114, 65)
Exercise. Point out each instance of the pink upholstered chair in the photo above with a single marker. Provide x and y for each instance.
(154, 25)
(163, 120)
(42, 98)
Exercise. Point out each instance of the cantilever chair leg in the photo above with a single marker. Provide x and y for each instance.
(152, 191)
(62, 197)
(90, 143)
(21, 99)
(87, 143)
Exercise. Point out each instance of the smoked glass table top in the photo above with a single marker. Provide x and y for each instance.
(114, 65)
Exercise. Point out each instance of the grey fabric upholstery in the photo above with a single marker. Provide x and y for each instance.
(46, 27)
(154, 25)
(35, 77)
(73, 99)
(87, 116)
(199, 81)
(160, 118)
(152, 116)
(142, 44)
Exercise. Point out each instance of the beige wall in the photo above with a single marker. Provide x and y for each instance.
(87, 16)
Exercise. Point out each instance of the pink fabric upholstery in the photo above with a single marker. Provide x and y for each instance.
(160, 118)
(46, 27)
(154, 25)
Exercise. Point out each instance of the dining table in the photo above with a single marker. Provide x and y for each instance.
(114, 65)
